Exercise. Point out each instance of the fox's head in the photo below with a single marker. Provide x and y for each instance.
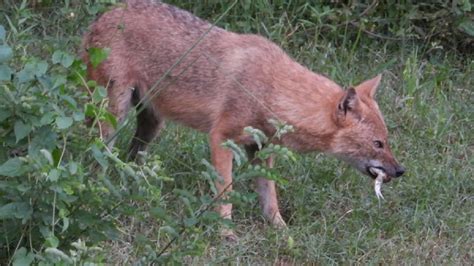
(361, 138)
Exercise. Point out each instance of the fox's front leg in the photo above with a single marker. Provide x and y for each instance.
(267, 195)
(222, 160)
(266, 190)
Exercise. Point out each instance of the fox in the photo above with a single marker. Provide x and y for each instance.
(219, 82)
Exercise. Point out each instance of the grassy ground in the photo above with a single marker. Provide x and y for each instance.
(333, 215)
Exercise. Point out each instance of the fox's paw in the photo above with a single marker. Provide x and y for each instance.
(229, 235)
(277, 221)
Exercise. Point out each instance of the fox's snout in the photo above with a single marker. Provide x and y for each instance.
(400, 170)
(397, 171)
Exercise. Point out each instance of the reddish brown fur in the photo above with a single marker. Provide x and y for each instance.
(227, 82)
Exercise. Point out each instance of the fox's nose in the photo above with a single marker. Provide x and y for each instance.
(400, 171)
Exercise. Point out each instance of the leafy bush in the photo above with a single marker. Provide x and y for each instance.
(62, 189)
(447, 23)
(48, 197)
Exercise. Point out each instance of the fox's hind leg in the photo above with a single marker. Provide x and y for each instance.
(120, 96)
(148, 126)
(266, 191)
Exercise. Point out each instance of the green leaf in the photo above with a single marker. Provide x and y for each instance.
(47, 155)
(90, 110)
(62, 58)
(68, 190)
(57, 55)
(467, 26)
(63, 122)
(5, 53)
(210, 217)
(467, 6)
(22, 257)
(46, 119)
(239, 155)
(99, 94)
(78, 116)
(25, 75)
(65, 224)
(45, 81)
(260, 171)
(159, 213)
(4, 114)
(21, 130)
(19, 210)
(73, 166)
(40, 68)
(53, 175)
(257, 135)
(91, 84)
(99, 155)
(5, 72)
(98, 55)
(59, 255)
(188, 222)
(2, 33)
(210, 175)
(291, 242)
(31, 70)
(169, 230)
(58, 81)
(111, 119)
(44, 138)
(70, 100)
(52, 241)
(56, 156)
(281, 126)
(12, 168)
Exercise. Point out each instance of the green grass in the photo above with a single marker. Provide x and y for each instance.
(332, 212)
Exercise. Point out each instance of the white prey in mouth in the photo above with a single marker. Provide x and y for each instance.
(378, 181)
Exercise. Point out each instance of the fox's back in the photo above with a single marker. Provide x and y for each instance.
(146, 39)
(151, 37)
(243, 78)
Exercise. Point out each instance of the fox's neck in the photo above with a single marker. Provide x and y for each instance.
(308, 102)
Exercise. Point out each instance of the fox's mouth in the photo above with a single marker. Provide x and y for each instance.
(373, 173)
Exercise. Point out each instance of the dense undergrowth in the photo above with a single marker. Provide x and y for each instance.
(66, 198)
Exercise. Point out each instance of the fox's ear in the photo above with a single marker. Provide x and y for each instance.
(369, 87)
(349, 102)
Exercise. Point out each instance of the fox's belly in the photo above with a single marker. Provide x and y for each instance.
(185, 108)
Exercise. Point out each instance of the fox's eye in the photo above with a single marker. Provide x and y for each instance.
(378, 144)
